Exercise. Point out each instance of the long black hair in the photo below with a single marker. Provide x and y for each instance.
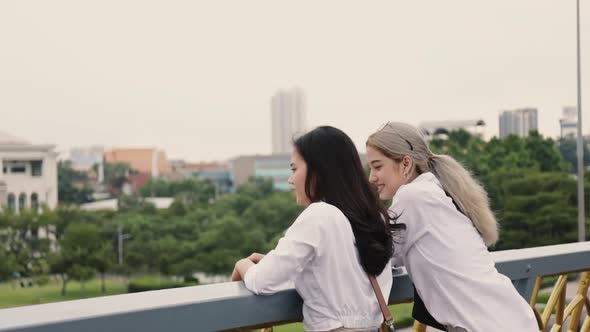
(336, 176)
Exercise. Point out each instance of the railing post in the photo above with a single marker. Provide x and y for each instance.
(525, 286)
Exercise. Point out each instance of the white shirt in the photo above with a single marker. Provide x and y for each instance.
(450, 266)
(319, 255)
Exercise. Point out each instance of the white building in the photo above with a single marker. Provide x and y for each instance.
(28, 173)
(568, 124)
(518, 122)
(288, 119)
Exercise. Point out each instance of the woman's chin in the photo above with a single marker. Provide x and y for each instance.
(385, 197)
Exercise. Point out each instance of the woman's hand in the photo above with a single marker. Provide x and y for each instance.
(256, 257)
(235, 275)
(244, 264)
(241, 268)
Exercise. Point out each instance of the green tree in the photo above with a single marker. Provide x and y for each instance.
(544, 152)
(60, 264)
(134, 203)
(83, 274)
(271, 215)
(461, 137)
(256, 187)
(102, 261)
(7, 264)
(80, 248)
(222, 244)
(73, 186)
(527, 182)
(116, 175)
(23, 248)
(538, 210)
(568, 149)
(187, 192)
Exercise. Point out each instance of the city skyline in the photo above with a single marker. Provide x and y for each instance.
(66, 154)
(194, 79)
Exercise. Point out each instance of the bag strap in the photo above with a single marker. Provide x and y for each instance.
(384, 310)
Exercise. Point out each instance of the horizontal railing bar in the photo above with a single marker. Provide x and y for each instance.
(230, 305)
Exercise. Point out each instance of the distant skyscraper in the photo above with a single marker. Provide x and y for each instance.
(568, 124)
(518, 122)
(288, 119)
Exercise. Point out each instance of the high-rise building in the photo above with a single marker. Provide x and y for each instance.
(568, 124)
(518, 122)
(288, 119)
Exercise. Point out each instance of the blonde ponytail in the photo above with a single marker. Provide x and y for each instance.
(468, 194)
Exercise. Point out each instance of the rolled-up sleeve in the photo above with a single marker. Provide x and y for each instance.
(280, 266)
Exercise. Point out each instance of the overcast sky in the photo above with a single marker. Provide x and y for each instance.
(195, 77)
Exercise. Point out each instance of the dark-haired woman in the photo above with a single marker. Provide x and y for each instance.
(340, 238)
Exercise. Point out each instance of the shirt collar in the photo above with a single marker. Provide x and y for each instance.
(427, 177)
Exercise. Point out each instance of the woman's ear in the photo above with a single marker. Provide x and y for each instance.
(407, 163)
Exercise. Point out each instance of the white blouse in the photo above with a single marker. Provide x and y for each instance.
(318, 254)
(450, 266)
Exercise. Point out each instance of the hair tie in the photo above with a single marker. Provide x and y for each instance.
(430, 161)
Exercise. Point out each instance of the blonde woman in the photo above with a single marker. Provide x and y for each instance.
(449, 227)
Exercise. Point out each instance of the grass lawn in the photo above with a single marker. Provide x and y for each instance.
(17, 296)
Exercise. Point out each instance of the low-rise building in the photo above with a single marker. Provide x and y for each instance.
(28, 174)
